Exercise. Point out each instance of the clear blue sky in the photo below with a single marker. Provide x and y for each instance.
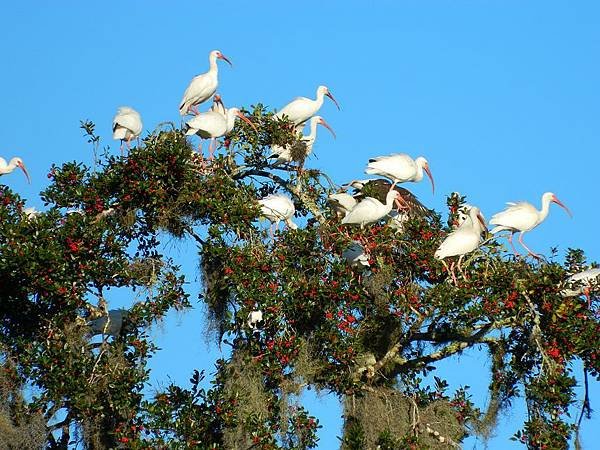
(501, 97)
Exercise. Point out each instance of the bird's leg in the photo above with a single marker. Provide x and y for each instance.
(211, 148)
(393, 185)
(535, 255)
(510, 236)
(194, 109)
(462, 272)
(453, 274)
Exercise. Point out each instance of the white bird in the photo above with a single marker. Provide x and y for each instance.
(203, 86)
(461, 241)
(399, 167)
(14, 163)
(301, 109)
(212, 125)
(356, 256)
(582, 283)
(524, 217)
(254, 320)
(127, 125)
(341, 203)
(278, 207)
(284, 154)
(370, 210)
(110, 325)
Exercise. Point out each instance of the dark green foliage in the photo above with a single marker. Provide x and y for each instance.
(369, 335)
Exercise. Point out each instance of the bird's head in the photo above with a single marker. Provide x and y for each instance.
(218, 55)
(554, 199)
(425, 166)
(324, 90)
(319, 120)
(18, 162)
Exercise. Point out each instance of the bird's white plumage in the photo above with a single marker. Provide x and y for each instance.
(127, 124)
(464, 239)
(523, 216)
(254, 318)
(203, 86)
(356, 256)
(341, 202)
(207, 125)
(278, 207)
(370, 210)
(398, 167)
(577, 283)
(12, 165)
(301, 109)
(213, 124)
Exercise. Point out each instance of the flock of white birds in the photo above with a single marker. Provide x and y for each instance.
(355, 209)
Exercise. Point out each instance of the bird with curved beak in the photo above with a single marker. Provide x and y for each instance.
(400, 168)
(522, 217)
(301, 109)
(203, 86)
(14, 163)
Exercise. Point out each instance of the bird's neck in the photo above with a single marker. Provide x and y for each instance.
(419, 172)
(545, 209)
(213, 67)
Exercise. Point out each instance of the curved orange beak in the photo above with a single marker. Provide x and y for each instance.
(559, 203)
(223, 57)
(248, 121)
(330, 95)
(22, 167)
(428, 172)
(326, 125)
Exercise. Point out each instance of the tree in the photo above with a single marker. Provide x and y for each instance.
(367, 334)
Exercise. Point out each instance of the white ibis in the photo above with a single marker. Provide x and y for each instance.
(127, 125)
(255, 319)
(203, 86)
(111, 324)
(212, 125)
(356, 256)
(523, 217)
(341, 203)
(461, 241)
(582, 283)
(370, 210)
(12, 165)
(399, 167)
(301, 109)
(378, 188)
(278, 207)
(284, 154)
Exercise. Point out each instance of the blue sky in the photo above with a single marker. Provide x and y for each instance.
(501, 97)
